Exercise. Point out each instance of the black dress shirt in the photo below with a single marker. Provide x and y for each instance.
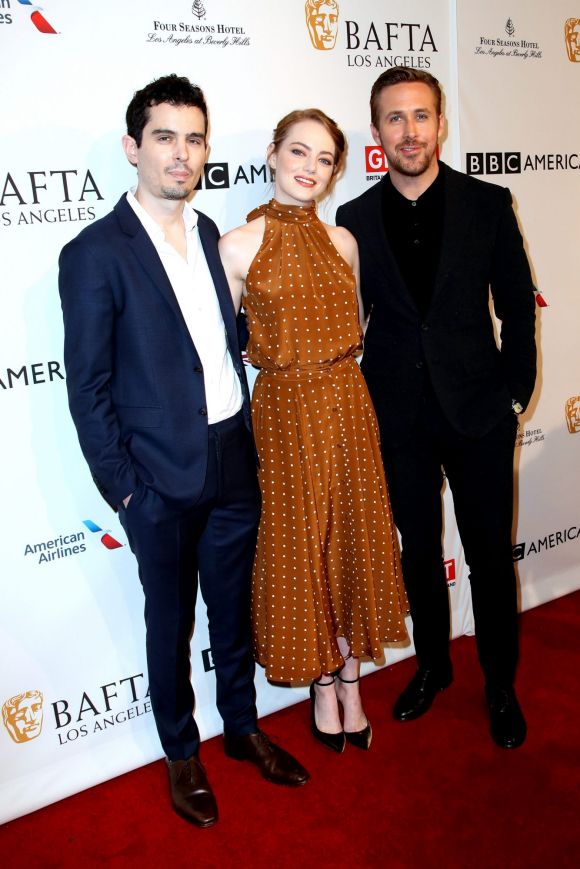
(414, 229)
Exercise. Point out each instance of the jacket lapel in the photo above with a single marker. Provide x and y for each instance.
(456, 226)
(146, 255)
(221, 286)
(387, 265)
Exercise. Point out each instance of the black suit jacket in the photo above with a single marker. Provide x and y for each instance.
(134, 378)
(473, 379)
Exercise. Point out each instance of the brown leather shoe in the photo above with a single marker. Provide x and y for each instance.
(191, 794)
(275, 764)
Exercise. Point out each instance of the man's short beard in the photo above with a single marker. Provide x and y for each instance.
(410, 169)
(413, 170)
(173, 194)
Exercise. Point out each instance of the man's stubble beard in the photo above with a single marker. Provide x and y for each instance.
(410, 168)
(175, 195)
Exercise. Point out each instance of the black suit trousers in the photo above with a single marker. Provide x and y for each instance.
(480, 474)
(217, 538)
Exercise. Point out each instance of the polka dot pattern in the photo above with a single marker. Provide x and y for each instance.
(327, 561)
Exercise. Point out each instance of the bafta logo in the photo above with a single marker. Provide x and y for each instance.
(22, 716)
(572, 37)
(322, 23)
(573, 414)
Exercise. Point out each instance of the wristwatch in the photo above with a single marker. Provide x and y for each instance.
(517, 407)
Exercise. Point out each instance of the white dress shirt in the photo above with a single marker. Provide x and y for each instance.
(195, 292)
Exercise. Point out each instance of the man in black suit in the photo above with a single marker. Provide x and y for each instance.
(158, 394)
(433, 244)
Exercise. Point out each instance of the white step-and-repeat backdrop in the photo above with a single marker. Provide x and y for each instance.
(73, 686)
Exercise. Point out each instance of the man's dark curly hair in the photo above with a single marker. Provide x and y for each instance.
(173, 89)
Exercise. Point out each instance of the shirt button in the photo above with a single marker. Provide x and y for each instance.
(203, 411)
(415, 241)
(424, 327)
(413, 204)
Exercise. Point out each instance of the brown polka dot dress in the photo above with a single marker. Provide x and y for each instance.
(327, 561)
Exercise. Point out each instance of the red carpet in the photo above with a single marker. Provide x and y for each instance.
(434, 792)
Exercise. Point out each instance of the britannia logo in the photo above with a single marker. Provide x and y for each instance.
(37, 17)
(450, 573)
(572, 410)
(375, 159)
(322, 23)
(572, 38)
(22, 716)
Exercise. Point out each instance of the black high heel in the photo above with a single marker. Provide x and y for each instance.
(335, 741)
(359, 738)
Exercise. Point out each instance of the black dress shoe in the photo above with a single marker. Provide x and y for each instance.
(334, 741)
(359, 738)
(419, 694)
(506, 722)
(191, 794)
(275, 764)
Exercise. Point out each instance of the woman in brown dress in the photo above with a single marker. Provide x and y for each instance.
(327, 584)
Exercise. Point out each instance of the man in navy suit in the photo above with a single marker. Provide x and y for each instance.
(158, 394)
(433, 244)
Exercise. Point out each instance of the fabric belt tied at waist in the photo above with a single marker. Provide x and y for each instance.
(314, 372)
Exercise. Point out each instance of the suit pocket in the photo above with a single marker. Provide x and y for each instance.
(483, 364)
(136, 496)
(139, 417)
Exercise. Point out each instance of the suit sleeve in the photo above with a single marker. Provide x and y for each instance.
(512, 289)
(89, 314)
(345, 217)
(342, 218)
(243, 332)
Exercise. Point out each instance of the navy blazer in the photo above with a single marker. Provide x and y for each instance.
(481, 250)
(134, 378)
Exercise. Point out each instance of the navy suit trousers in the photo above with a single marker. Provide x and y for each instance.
(215, 538)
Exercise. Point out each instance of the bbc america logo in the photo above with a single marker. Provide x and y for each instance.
(494, 163)
(217, 176)
(550, 541)
(207, 658)
(512, 162)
